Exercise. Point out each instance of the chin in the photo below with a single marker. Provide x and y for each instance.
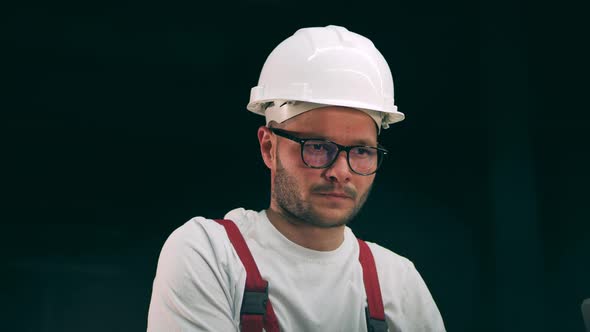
(331, 217)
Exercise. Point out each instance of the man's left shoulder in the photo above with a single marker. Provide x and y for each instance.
(386, 259)
(402, 286)
(396, 270)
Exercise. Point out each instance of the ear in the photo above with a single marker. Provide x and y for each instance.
(265, 138)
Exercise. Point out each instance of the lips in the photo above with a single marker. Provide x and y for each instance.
(335, 194)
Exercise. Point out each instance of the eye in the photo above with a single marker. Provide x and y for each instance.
(363, 152)
(318, 147)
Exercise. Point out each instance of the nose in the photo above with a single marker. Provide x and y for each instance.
(339, 171)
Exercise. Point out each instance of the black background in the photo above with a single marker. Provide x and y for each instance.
(122, 120)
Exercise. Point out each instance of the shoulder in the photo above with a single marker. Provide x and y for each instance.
(198, 243)
(204, 241)
(196, 282)
(398, 272)
(197, 234)
(405, 293)
(389, 260)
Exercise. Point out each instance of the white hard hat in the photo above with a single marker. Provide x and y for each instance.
(328, 66)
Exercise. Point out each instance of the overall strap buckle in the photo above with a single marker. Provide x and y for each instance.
(254, 302)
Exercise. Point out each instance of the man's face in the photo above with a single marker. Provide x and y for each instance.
(327, 197)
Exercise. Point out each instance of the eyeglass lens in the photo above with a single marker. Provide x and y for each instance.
(320, 153)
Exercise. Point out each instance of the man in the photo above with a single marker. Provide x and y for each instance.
(326, 94)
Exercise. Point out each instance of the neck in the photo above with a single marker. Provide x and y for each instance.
(305, 235)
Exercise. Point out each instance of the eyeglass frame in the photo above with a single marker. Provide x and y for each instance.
(302, 141)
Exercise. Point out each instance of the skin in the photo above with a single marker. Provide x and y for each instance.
(305, 205)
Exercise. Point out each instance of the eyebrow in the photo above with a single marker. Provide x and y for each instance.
(362, 141)
(366, 142)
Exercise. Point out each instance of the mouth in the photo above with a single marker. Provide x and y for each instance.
(334, 195)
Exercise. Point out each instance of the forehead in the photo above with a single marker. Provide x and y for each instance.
(340, 124)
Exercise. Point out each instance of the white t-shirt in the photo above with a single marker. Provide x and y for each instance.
(200, 280)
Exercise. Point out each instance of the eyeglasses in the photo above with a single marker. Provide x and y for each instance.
(321, 153)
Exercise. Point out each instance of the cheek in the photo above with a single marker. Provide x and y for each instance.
(304, 177)
(365, 183)
(289, 155)
(300, 176)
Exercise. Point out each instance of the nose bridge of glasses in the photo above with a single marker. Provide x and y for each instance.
(341, 158)
(343, 153)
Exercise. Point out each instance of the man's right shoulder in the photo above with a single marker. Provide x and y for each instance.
(198, 232)
(198, 239)
(196, 263)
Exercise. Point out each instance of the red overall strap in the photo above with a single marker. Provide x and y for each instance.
(256, 311)
(375, 312)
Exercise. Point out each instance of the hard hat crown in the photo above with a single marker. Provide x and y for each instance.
(327, 66)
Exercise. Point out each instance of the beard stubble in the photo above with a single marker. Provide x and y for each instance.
(287, 195)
